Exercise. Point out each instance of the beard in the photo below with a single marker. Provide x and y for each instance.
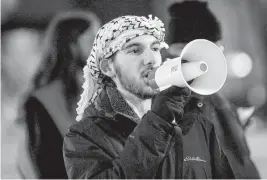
(139, 89)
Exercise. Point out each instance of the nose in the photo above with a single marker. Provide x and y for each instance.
(150, 58)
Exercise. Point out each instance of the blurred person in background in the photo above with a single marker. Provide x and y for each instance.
(49, 109)
(20, 46)
(190, 20)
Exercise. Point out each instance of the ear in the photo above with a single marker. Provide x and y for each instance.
(106, 67)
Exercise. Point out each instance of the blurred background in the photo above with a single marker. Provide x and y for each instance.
(244, 29)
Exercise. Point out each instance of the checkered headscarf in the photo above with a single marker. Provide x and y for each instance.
(109, 39)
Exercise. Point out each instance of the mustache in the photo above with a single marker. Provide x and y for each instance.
(147, 70)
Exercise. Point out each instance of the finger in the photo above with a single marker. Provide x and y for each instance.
(176, 107)
(178, 91)
(171, 90)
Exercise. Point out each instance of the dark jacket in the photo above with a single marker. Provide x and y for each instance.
(45, 128)
(112, 142)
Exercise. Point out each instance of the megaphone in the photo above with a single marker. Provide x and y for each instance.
(201, 62)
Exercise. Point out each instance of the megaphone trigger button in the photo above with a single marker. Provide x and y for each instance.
(200, 104)
(174, 123)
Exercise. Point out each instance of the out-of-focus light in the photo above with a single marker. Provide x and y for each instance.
(257, 95)
(239, 64)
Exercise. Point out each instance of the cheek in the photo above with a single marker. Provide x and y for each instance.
(131, 69)
(129, 66)
(158, 58)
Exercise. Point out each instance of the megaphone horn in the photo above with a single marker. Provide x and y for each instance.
(205, 65)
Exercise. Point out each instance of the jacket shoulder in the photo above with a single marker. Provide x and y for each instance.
(83, 127)
(84, 135)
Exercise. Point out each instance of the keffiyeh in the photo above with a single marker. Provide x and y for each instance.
(109, 39)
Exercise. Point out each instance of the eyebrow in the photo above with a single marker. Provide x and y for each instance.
(138, 44)
(130, 45)
(156, 42)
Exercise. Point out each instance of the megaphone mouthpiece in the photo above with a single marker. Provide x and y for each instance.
(192, 70)
(203, 67)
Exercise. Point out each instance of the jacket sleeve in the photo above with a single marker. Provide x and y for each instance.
(232, 149)
(143, 152)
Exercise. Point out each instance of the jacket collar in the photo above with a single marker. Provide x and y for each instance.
(111, 103)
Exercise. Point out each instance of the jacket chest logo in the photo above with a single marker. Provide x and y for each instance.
(189, 158)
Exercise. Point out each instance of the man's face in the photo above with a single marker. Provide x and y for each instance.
(133, 62)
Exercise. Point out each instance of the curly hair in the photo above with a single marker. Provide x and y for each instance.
(191, 20)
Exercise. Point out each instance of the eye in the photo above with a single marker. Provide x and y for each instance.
(155, 47)
(135, 50)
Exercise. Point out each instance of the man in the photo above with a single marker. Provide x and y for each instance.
(184, 27)
(128, 130)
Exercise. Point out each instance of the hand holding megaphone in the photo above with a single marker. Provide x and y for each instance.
(204, 63)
